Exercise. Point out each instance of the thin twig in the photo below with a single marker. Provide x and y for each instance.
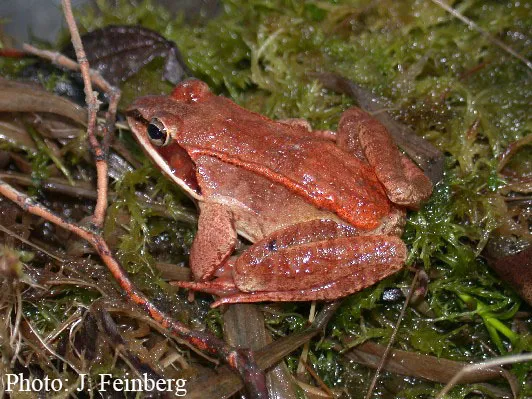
(18, 317)
(484, 33)
(49, 348)
(499, 361)
(65, 62)
(239, 360)
(100, 157)
(511, 150)
(27, 242)
(392, 338)
(317, 378)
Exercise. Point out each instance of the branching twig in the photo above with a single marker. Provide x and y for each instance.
(100, 157)
(64, 62)
(239, 360)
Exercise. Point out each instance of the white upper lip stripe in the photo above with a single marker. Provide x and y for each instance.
(140, 133)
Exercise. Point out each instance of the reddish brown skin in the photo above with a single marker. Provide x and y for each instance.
(325, 210)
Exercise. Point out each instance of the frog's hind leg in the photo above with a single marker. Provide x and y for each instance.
(367, 138)
(315, 260)
(306, 271)
(346, 276)
(338, 289)
(318, 259)
(218, 286)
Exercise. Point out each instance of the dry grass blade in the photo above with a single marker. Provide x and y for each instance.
(27, 242)
(47, 346)
(392, 338)
(500, 361)
(226, 383)
(489, 37)
(22, 97)
(423, 366)
(18, 319)
(254, 336)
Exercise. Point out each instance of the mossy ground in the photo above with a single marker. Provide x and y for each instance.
(448, 82)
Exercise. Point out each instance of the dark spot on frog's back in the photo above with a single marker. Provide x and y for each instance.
(272, 246)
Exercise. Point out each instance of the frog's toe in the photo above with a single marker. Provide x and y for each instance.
(219, 287)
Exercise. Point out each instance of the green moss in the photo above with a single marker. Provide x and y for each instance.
(448, 82)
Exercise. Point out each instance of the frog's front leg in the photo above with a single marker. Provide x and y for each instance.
(367, 138)
(214, 242)
(316, 260)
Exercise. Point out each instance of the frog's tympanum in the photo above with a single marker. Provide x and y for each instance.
(323, 210)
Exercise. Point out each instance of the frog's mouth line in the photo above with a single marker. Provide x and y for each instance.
(138, 125)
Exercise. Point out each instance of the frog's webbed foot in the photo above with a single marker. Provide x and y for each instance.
(214, 242)
(220, 286)
(364, 136)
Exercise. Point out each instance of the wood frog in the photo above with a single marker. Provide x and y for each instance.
(324, 211)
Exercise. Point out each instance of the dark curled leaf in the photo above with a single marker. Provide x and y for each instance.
(22, 97)
(424, 366)
(108, 326)
(119, 51)
(86, 338)
(512, 263)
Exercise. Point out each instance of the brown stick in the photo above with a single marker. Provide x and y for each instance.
(238, 360)
(64, 62)
(93, 105)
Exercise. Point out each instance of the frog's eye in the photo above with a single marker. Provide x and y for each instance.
(157, 133)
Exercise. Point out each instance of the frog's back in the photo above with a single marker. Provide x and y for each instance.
(314, 169)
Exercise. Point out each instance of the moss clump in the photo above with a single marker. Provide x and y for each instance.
(447, 81)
